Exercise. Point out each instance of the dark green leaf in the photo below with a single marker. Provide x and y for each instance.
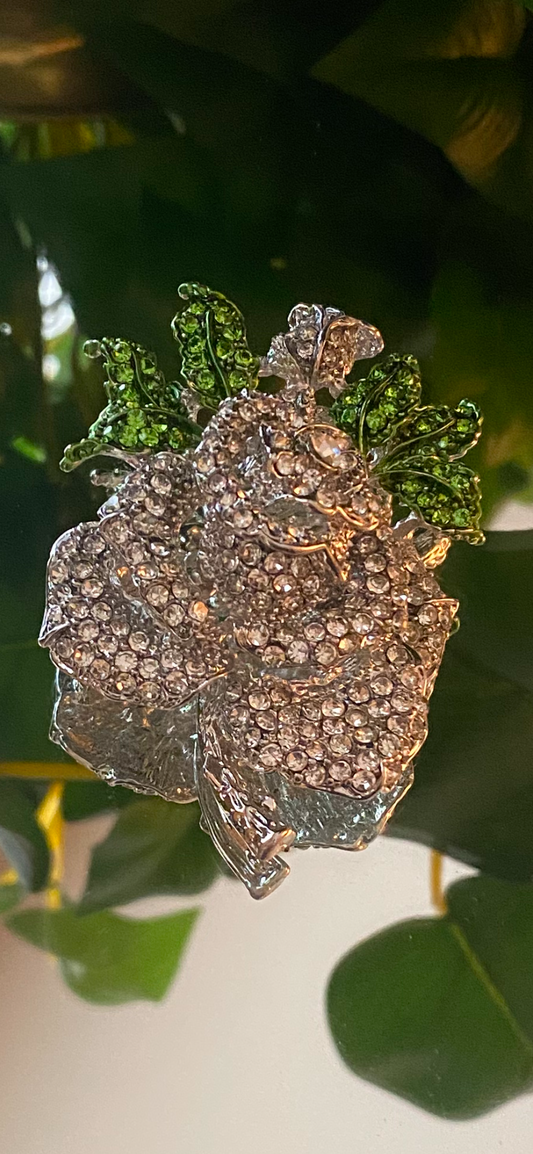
(210, 332)
(144, 412)
(154, 848)
(472, 795)
(21, 839)
(10, 896)
(106, 958)
(493, 585)
(85, 799)
(441, 1011)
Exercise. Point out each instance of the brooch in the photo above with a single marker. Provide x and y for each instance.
(254, 621)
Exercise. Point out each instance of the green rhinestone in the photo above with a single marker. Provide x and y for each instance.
(224, 349)
(223, 314)
(136, 420)
(196, 359)
(149, 436)
(232, 332)
(461, 518)
(188, 324)
(124, 374)
(244, 358)
(205, 380)
(238, 380)
(197, 308)
(176, 438)
(464, 426)
(121, 351)
(128, 438)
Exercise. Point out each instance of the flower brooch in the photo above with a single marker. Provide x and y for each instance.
(254, 620)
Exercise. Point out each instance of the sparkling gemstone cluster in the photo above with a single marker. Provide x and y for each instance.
(247, 623)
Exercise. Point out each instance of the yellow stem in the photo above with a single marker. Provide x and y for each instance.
(50, 818)
(58, 770)
(438, 899)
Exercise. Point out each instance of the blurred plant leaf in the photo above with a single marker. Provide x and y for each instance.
(21, 839)
(86, 799)
(109, 959)
(10, 896)
(154, 848)
(440, 1011)
(472, 796)
(449, 73)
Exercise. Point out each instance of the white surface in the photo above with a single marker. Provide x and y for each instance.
(238, 1059)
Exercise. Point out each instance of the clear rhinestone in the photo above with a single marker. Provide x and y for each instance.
(157, 595)
(88, 630)
(359, 692)
(100, 669)
(259, 700)
(296, 760)
(362, 623)
(83, 656)
(340, 770)
(356, 716)
(258, 635)
(316, 750)
(175, 683)
(336, 626)
(325, 653)
(77, 608)
(364, 782)
(139, 641)
(267, 719)
(315, 631)
(340, 743)
(298, 652)
(270, 755)
(333, 707)
(364, 734)
(102, 611)
(125, 662)
(174, 615)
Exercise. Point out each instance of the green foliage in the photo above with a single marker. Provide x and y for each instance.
(144, 412)
(216, 360)
(106, 958)
(21, 839)
(472, 795)
(440, 1011)
(418, 446)
(86, 799)
(153, 848)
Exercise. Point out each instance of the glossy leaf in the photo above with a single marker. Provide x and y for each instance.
(21, 839)
(109, 959)
(154, 848)
(440, 1011)
(211, 335)
(144, 412)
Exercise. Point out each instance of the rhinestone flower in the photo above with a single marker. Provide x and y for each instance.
(247, 623)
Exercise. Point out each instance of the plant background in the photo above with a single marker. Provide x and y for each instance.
(378, 157)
